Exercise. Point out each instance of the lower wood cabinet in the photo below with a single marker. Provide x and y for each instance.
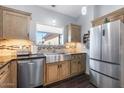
(74, 67)
(52, 72)
(8, 76)
(4, 76)
(64, 70)
(13, 74)
(78, 64)
(57, 71)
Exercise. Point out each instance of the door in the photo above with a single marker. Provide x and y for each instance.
(82, 63)
(13, 74)
(111, 42)
(52, 74)
(15, 25)
(95, 43)
(64, 69)
(74, 67)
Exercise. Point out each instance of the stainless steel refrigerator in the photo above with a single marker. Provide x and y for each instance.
(107, 55)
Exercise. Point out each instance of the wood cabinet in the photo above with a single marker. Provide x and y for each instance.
(8, 76)
(4, 76)
(74, 67)
(13, 74)
(113, 16)
(14, 24)
(64, 70)
(52, 72)
(78, 64)
(72, 33)
(56, 71)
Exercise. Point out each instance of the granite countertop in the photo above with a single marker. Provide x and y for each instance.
(5, 60)
(77, 53)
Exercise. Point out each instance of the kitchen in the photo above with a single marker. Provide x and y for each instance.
(52, 46)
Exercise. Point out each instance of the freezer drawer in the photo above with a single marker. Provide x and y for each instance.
(111, 70)
(111, 42)
(95, 42)
(103, 81)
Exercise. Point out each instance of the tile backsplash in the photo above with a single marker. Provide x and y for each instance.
(12, 46)
(67, 48)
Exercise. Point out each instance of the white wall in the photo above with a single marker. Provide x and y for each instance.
(101, 10)
(43, 16)
(84, 21)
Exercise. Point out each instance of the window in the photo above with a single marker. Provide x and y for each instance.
(48, 35)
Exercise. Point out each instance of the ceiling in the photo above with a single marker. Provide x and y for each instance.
(70, 10)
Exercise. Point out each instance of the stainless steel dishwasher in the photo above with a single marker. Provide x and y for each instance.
(30, 72)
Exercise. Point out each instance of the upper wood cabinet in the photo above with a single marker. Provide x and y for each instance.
(14, 24)
(113, 16)
(72, 33)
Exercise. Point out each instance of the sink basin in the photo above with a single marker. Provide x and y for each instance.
(56, 57)
(54, 53)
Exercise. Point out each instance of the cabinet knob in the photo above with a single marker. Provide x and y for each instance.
(58, 66)
(78, 62)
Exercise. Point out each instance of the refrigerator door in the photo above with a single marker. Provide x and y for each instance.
(111, 42)
(95, 42)
(108, 69)
(103, 81)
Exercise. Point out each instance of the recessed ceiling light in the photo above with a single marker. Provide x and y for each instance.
(84, 10)
(53, 22)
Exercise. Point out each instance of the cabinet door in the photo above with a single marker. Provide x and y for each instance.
(75, 33)
(4, 77)
(1, 24)
(82, 63)
(64, 69)
(52, 70)
(15, 25)
(13, 74)
(74, 67)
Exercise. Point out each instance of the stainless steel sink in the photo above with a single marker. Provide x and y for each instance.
(57, 57)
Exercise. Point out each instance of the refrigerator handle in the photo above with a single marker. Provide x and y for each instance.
(103, 33)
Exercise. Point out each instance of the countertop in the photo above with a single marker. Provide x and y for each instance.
(6, 59)
(77, 53)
